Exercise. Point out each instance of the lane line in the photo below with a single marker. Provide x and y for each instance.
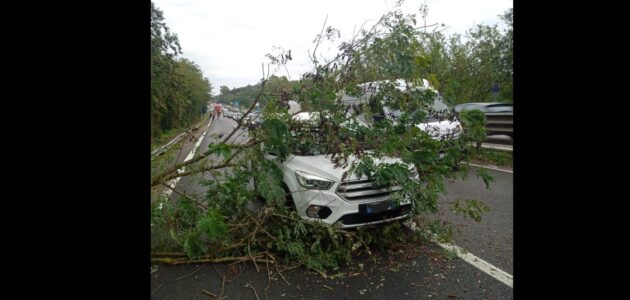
(488, 167)
(496, 148)
(480, 264)
(173, 182)
(494, 272)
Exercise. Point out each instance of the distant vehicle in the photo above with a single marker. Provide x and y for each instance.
(247, 121)
(256, 121)
(485, 107)
(218, 108)
(253, 120)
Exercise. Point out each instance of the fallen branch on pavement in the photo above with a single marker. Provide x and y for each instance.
(253, 289)
(203, 206)
(172, 261)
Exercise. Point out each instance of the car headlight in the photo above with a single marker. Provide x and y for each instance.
(312, 182)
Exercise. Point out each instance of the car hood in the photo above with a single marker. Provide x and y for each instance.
(322, 166)
(441, 129)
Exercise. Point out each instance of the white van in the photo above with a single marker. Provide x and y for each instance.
(439, 125)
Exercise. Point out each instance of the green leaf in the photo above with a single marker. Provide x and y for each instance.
(223, 150)
(485, 176)
(471, 208)
(212, 225)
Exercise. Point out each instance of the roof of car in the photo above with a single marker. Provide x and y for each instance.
(369, 88)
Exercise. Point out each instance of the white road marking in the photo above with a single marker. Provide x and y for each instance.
(173, 182)
(496, 148)
(192, 153)
(480, 264)
(488, 167)
(475, 261)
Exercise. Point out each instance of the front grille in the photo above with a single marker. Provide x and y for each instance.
(364, 190)
(360, 218)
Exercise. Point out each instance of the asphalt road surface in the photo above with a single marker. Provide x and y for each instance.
(420, 273)
(492, 238)
(191, 184)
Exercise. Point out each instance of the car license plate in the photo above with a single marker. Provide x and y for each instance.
(379, 207)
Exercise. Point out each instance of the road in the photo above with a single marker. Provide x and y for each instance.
(191, 184)
(420, 272)
(492, 239)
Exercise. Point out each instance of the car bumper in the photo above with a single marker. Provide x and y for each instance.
(348, 214)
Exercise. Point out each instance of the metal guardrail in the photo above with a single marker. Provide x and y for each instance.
(499, 140)
(499, 124)
(159, 151)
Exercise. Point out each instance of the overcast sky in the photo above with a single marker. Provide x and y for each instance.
(228, 39)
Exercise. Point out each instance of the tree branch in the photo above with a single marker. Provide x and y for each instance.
(319, 40)
(251, 107)
(165, 175)
(226, 164)
(171, 261)
(186, 173)
(205, 207)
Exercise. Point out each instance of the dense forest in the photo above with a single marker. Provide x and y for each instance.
(467, 69)
(179, 92)
(275, 87)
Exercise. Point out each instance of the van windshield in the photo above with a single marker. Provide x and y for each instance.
(437, 112)
(308, 143)
(438, 105)
(311, 141)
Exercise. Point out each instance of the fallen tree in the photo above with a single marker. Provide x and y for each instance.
(221, 227)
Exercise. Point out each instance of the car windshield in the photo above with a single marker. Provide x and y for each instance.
(439, 106)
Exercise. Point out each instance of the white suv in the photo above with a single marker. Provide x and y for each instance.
(319, 193)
